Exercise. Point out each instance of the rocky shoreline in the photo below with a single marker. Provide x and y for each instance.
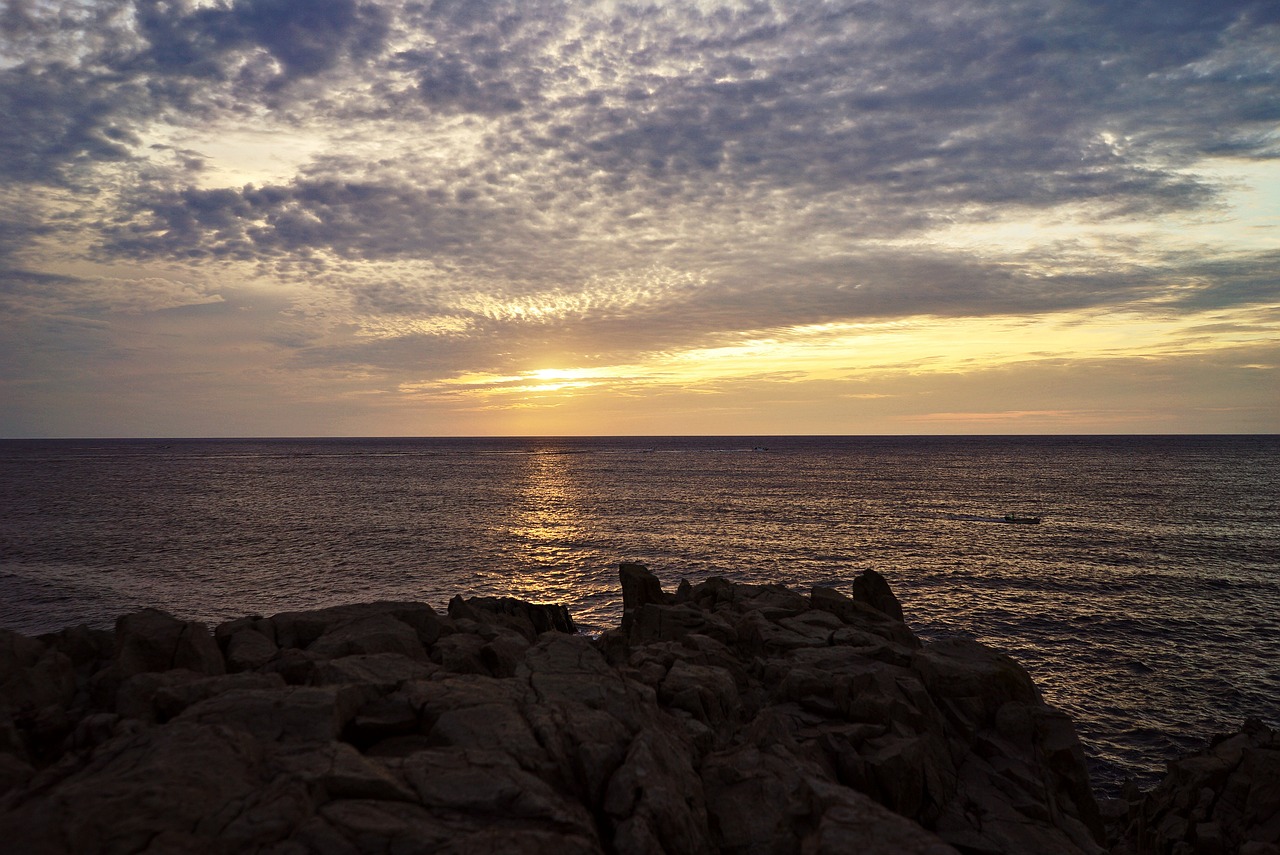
(719, 718)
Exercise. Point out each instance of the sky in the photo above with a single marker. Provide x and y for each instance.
(567, 217)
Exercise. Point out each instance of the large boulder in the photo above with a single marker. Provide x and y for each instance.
(529, 619)
(153, 640)
(376, 633)
(300, 629)
(873, 589)
(639, 587)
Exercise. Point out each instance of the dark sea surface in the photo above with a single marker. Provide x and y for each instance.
(1146, 604)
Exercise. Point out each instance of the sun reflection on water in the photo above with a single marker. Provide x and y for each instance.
(547, 526)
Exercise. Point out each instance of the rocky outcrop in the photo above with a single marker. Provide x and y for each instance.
(719, 718)
(529, 619)
(1225, 799)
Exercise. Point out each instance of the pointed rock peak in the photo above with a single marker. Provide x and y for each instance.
(872, 589)
(639, 586)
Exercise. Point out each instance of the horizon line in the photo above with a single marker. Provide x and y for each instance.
(299, 437)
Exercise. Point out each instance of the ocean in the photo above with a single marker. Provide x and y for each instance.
(1146, 603)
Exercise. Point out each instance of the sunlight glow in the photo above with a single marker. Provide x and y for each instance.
(879, 352)
(1075, 238)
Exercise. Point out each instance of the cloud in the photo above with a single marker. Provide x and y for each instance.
(303, 37)
(58, 117)
(864, 120)
(487, 183)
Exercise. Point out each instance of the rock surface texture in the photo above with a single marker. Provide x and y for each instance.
(720, 718)
(1225, 799)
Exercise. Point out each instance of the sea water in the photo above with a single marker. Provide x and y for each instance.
(1146, 603)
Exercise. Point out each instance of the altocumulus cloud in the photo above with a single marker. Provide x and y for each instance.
(611, 179)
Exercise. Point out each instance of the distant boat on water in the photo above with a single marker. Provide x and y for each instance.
(1021, 518)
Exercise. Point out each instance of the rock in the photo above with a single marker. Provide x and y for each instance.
(706, 692)
(14, 772)
(248, 649)
(383, 671)
(1223, 799)
(174, 788)
(171, 700)
(726, 718)
(300, 629)
(974, 680)
(375, 633)
(85, 647)
(492, 787)
(770, 800)
(33, 676)
(872, 589)
(655, 800)
(912, 726)
(135, 698)
(651, 622)
(283, 714)
(471, 711)
(152, 640)
(528, 619)
(639, 587)
(461, 653)
(336, 770)
(357, 826)
(878, 626)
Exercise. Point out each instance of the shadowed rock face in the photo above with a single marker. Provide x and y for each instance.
(1225, 799)
(722, 718)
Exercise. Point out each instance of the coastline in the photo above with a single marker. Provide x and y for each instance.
(722, 717)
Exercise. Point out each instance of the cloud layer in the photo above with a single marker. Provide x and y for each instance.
(489, 185)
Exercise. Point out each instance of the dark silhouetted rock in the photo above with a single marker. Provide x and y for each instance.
(376, 633)
(1225, 799)
(163, 789)
(726, 718)
(872, 589)
(529, 619)
(82, 645)
(248, 649)
(33, 676)
(152, 640)
(639, 587)
(301, 629)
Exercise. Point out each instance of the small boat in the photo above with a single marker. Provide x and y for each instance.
(1021, 518)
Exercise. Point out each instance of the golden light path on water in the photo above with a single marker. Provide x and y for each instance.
(547, 525)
